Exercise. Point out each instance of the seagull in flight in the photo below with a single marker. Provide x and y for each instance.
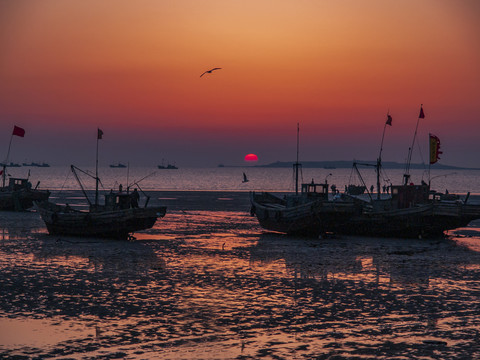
(209, 71)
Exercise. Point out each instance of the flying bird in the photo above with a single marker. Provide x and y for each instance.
(209, 71)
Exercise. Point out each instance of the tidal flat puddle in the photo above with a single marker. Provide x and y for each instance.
(213, 285)
(40, 333)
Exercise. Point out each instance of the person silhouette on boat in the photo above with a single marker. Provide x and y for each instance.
(135, 198)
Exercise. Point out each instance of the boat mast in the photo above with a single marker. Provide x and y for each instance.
(4, 172)
(296, 165)
(128, 173)
(379, 159)
(406, 176)
(99, 136)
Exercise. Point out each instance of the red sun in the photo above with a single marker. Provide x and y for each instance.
(251, 157)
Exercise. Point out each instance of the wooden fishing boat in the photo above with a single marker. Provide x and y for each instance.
(118, 217)
(408, 211)
(308, 212)
(18, 194)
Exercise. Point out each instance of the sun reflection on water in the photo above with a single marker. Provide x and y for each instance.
(204, 284)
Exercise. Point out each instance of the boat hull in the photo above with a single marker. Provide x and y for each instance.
(19, 200)
(311, 218)
(427, 221)
(116, 224)
(354, 218)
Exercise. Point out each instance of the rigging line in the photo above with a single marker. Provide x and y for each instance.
(421, 156)
(65, 181)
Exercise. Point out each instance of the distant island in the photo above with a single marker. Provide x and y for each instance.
(348, 164)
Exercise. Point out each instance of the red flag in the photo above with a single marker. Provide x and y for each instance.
(434, 149)
(18, 131)
(99, 134)
(389, 120)
(422, 115)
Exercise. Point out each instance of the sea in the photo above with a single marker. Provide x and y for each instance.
(207, 282)
(231, 178)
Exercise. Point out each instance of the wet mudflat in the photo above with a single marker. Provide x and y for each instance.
(213, 285)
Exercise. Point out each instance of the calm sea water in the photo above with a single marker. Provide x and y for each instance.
(230, 178)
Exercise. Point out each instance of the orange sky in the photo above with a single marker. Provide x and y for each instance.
(132, 69)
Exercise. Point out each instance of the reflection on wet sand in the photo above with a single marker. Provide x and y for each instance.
(213, 285)
(20, 225)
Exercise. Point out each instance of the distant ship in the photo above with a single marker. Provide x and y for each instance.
(11, 164)
(168, 166)
(36, 164)
(119, 165)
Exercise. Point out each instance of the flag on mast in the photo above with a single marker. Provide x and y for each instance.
(18, 131)
(389, 120)
(422, 115)
(434, 149)
(99, 134)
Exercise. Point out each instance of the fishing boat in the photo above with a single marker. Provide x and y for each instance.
(308, 212)
(118, 165)
(18, 194)
(36, 164)
(10, 164)
(409, 210)
(117, 218)
(168, 166)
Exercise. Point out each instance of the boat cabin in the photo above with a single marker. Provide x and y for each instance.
(18, 184)
(117, 200)
(406, 196)
(315, 190)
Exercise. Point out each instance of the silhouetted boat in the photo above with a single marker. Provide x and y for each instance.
(409, 211)
(36, 164)
(119, 165)
(10, 164)
(117, 218)
(168, 166)
(309, 212)
(18, 195)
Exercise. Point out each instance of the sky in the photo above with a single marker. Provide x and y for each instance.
(336, 67)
